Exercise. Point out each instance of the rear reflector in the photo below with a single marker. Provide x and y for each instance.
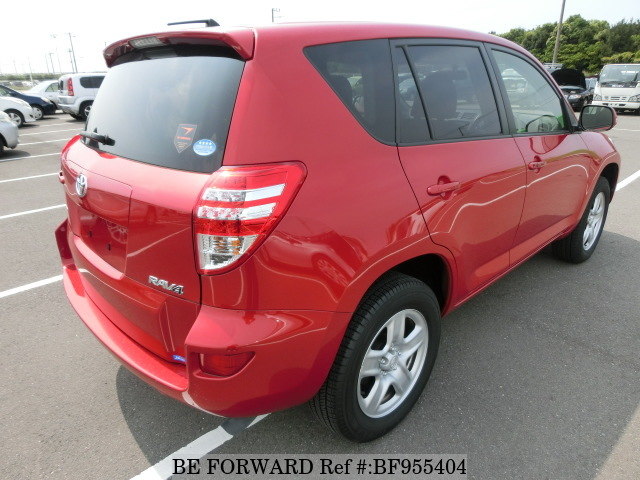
(224, 365)
(238, 209)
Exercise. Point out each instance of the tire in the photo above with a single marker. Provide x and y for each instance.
(341, 402)
(85, 108)
(38, 113)
(16, 117)
(580, 244)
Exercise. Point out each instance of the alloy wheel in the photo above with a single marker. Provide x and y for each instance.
(392, 363)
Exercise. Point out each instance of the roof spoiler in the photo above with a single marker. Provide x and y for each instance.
(242, 40)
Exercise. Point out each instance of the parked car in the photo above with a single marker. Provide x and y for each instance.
(47, 89)
(41, 105)
(19, 111)
(243, 258)
(77, 92)
(574, 87)
(8, 132)
(577, 96)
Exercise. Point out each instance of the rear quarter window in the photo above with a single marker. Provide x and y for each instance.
(360, 73)
(91, 82)
(168, 107)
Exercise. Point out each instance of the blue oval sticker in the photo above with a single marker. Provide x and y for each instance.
(204, 147)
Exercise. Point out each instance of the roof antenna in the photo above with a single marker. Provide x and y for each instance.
(209, 22)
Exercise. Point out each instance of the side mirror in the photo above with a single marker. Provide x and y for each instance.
(597, 118)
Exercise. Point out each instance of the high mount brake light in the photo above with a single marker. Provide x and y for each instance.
(237, 210)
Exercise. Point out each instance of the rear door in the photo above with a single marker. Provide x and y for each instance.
(466, 171)
(558, 161)
(167, 112)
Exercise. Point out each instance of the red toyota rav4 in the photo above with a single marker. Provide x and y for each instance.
(262, 217)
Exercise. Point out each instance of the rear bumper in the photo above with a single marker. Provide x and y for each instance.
(71, 109)
(293, 350)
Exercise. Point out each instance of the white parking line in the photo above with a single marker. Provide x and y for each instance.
(51, 131)
(196, 449)
(28, 178)
(29, 156)
(628, 129)
(47, 141)
(54, 124)
(11, 215)
(29, 286)
(628, 180)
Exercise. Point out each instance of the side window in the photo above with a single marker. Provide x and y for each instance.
(535, 106)
(361, 76)
(52, 88)
(456, 90)
(412, 123)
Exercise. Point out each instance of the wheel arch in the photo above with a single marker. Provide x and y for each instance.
(610, 172)
(434, 269)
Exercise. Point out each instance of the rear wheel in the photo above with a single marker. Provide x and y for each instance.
(384, 361)
(38, 113)
(85, 109)
(16, 117)
(580, 244)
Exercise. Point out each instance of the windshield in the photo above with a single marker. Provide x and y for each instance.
(168, 107)
(625, 76)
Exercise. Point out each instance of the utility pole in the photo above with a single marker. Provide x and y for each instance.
(52, 67)
(273, 14)
(30, 71)
(74, 64)
(555, 49)
(46, 61)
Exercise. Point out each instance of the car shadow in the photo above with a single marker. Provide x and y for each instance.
(537, 377)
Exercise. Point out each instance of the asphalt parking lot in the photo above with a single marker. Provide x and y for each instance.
(537, 377)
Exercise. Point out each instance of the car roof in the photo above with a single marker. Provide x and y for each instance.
(245, 39)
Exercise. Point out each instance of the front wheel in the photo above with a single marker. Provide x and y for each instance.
(38, 113)
(580, 244)
(384, 361)
(16, 117)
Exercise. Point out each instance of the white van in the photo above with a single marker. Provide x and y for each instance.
(619, 87)
(77, 92)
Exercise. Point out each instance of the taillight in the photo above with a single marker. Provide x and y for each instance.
(238, 209)
(70, 87)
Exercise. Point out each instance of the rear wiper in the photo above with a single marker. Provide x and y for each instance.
(104, 139)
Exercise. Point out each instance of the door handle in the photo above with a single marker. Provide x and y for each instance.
(536, 165)
(441, 188)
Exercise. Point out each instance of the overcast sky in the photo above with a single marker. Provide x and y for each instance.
(27, 29)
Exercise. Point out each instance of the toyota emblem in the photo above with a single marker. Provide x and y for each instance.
(81, 185)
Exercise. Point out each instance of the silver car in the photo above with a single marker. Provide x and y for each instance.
(8, 132)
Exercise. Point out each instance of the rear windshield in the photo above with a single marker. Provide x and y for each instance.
(169, 107)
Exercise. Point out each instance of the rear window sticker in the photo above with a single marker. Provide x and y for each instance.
(184, 136)
(204, 147)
